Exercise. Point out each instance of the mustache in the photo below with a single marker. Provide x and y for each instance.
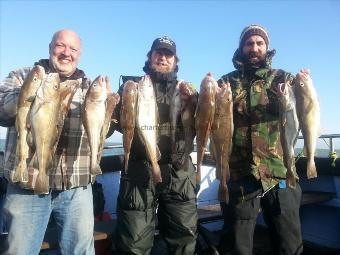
(254, 54)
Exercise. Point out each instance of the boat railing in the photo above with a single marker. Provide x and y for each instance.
(330, 142)
(327, 138)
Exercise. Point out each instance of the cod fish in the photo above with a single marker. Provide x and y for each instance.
(147, 122)
(111, 103)
(221, 137)
(182, 108)
(27, 92)
(45, 123)
(94, 118)
(289, 130)
(128, 117)
(308, 111)
(204, 117)
(188, 107)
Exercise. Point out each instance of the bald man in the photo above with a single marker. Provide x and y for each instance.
(69, 199)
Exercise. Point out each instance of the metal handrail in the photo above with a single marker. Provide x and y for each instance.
(329, 136)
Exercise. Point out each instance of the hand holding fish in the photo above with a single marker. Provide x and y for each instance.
(305, 72)
(185, 90)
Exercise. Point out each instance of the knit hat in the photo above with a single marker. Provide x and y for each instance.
(253, 30)
(164, 43)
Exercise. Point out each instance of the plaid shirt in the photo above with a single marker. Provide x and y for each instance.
(70, 164)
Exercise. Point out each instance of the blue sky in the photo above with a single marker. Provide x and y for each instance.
(117, 35)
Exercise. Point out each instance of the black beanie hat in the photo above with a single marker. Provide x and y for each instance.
(253, 30)
(164, 43)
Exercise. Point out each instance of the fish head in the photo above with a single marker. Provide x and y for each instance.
(50, 86)
(227, 91)
(285, 96)
(35, 76)
(69, 86)
(38, 73)
(130, 87)
(186, 88)
(224, 94)
(145, 87)
(282, 90)
(208, 85)
(98, 89)
(304, 84)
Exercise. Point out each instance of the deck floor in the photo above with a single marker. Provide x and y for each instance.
(262, 246)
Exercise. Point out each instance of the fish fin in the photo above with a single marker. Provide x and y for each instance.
(311, 169)
(42, 184)
(97, 170)
(30, 99)
(290, 179)
(20, 174)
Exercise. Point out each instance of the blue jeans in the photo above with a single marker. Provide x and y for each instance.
(27, 216)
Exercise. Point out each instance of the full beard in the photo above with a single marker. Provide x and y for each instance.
(254, 64)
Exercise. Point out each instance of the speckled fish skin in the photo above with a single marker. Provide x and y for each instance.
(221, 136)
(188, 108)
(45, 123)
(94, 118)
(308, 111)
(289, 131)
(204, 117)
(111, 103)
(25, 99)
(128, 117)
(147, 123)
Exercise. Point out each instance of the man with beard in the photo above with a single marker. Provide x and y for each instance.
(174, 198)
(256, 166)
(69, 200)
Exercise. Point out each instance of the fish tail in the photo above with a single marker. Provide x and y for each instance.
(95, 169)
(290, 179)
(126, 163)
(223, 193)
(20, 173)
(41, 184)
(311, 169)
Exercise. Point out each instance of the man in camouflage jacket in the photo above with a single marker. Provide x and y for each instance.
(256, 163)
(175, 197)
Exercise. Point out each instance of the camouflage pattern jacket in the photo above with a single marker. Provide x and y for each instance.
(256, 147)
